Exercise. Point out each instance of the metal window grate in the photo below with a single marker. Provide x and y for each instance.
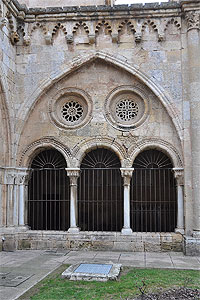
(153, 193)
(100, 197)
(49, 193)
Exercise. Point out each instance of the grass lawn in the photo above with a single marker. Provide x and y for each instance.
(131, 279)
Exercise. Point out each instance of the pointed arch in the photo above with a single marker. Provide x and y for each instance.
(117, 61)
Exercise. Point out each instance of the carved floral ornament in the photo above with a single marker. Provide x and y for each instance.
(193, 20)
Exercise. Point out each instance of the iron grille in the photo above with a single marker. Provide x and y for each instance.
(49, 193)
(153, 194)
(100, 197)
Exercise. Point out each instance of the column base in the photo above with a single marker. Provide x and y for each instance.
(126, 231)
(180, 230)
(73, 230)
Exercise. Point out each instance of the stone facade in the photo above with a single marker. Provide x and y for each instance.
(96, 53)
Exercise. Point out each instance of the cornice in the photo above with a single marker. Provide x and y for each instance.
(149, 10)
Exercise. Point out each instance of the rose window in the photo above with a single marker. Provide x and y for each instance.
(72, 111)
(127, 109)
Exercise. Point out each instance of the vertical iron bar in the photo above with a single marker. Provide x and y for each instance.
(102, 199)
(46, 190)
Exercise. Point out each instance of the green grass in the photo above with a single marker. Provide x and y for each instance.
(55, 288)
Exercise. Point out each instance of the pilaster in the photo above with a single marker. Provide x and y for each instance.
(193, 26)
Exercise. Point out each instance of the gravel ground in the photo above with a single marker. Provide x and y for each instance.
(173, 294)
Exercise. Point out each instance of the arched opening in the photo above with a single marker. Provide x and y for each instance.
(48, 192)
(153, 193)
(100, 197)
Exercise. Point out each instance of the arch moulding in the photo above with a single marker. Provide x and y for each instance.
(111, 59)
(81, 149)
(157, 144)
(6, 120)
(42, 144)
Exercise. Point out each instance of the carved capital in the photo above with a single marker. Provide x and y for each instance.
(127, 175)
(73, 174)
(193, 20)
(179, 175)
(22, 179)
(14, 176)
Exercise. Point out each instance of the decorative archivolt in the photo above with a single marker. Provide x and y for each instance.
(158, 144)
(47, 142)
(85, 146)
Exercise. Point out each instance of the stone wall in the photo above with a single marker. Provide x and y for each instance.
(149, 242)
(93, 51)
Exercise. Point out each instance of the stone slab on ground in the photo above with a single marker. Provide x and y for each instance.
(92, 272)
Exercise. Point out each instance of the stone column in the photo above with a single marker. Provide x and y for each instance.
(178, 173)
(13, 187)
(193, 26)
(127, 175)
(21, 185)
(73, 174)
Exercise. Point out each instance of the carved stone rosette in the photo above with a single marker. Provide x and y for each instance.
(179, 175)
(193, 20)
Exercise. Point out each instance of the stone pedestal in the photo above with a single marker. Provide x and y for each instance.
(127, 175)
(73, 174)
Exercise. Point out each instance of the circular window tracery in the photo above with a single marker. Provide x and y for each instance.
(127, 109)
(70, 108)
(72, 111)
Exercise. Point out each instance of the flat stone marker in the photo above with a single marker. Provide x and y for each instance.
(13, 280)
(91, 272)
(93, 269)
